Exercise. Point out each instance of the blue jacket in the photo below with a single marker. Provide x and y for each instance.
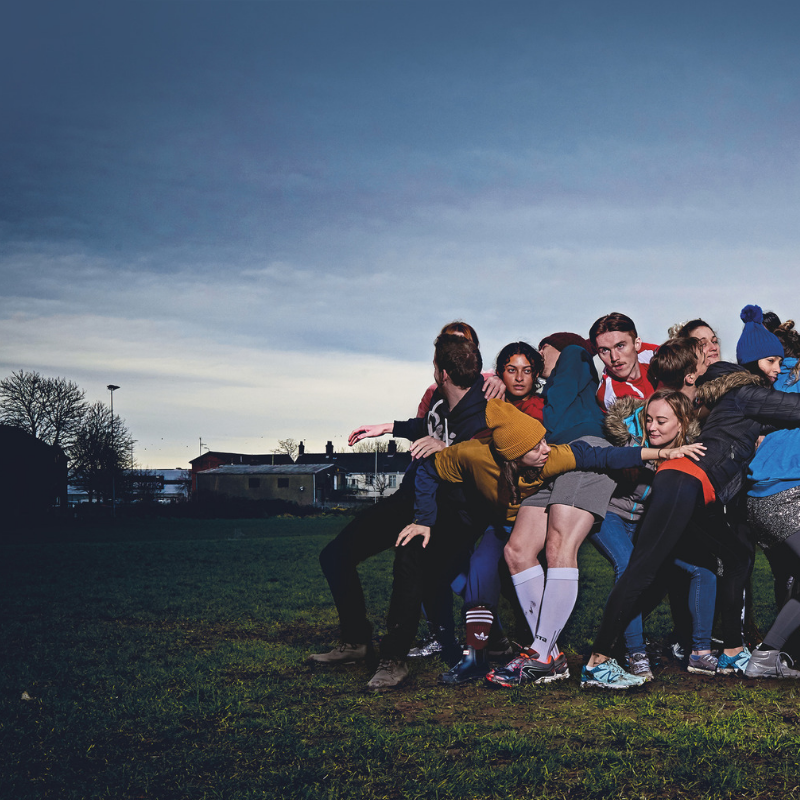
(570, 407)
(776, 464)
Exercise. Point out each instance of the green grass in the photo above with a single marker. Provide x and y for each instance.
(167, 660)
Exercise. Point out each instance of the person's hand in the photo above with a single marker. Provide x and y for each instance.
(494, 387)
(412, 530)
(426, 446)
(369, 432)
(692, 450)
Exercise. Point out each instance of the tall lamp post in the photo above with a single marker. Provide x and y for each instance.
(111, 388)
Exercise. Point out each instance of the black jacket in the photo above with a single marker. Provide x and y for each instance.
(742, 409)
(448, 425)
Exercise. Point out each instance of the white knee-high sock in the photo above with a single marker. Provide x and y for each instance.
(529, 585)
(560, 594)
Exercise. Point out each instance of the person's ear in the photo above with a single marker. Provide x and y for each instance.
(637, 344)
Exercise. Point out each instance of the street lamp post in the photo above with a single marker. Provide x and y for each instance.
(111, 388)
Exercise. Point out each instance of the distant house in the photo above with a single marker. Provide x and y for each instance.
(33, 475)
(304, 484)
(213, 459)
(369, 475)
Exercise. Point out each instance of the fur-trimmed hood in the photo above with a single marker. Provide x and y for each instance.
(620, 429)
(615, 426)
(721, 378)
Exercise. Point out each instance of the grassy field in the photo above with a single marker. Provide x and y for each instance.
(155, 659)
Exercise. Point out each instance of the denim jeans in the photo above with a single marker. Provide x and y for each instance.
(702, 599)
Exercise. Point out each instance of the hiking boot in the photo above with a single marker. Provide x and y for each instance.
(609, 675)
(770, 664)
(639, 664)
(388, 674)
(344, 653)
(704, 664)
(733, 665)
(472, 667)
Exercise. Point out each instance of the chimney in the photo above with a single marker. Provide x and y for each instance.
(391, 448)
(329, 450)
(301, 449)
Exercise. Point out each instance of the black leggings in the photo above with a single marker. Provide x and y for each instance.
(788, 619)
(677, 515)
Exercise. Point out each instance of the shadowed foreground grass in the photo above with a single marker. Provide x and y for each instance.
(168, 661)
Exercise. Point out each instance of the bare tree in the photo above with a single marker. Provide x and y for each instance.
(374, 445)
(101, 451)
(288, 447)
(48, 408)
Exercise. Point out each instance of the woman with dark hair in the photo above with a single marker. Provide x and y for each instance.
(519, 367)
(687, 502)
(773, 506)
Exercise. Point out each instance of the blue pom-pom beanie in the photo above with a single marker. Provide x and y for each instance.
(756, 342)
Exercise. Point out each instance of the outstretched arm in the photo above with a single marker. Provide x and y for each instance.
(369, 432)
(668, 453)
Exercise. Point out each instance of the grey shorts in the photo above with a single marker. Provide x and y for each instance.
(589, 491)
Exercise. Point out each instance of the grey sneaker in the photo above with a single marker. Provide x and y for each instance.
(639, 665)
(770, 664)
(388, 674)
(704, 664)
(342, 654)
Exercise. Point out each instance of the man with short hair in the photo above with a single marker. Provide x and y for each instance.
(457, 413)
(625, 358)
(677, 365)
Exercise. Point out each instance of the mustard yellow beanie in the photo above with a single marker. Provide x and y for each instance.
(513, 432)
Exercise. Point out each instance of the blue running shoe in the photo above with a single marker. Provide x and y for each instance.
(609, 675)
(733, 665)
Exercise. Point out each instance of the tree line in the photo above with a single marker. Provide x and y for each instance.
(99, 448)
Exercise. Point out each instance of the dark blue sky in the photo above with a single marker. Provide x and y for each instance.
(197, 197)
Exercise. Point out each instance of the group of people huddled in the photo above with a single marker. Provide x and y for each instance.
(673, 463)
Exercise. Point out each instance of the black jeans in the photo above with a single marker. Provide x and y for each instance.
(374, 530)
(678, 517)
(418, 571)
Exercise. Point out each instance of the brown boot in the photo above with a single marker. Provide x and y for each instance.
(388, 674)
(342, 654)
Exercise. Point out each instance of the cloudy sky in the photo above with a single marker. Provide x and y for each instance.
(255, 216)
